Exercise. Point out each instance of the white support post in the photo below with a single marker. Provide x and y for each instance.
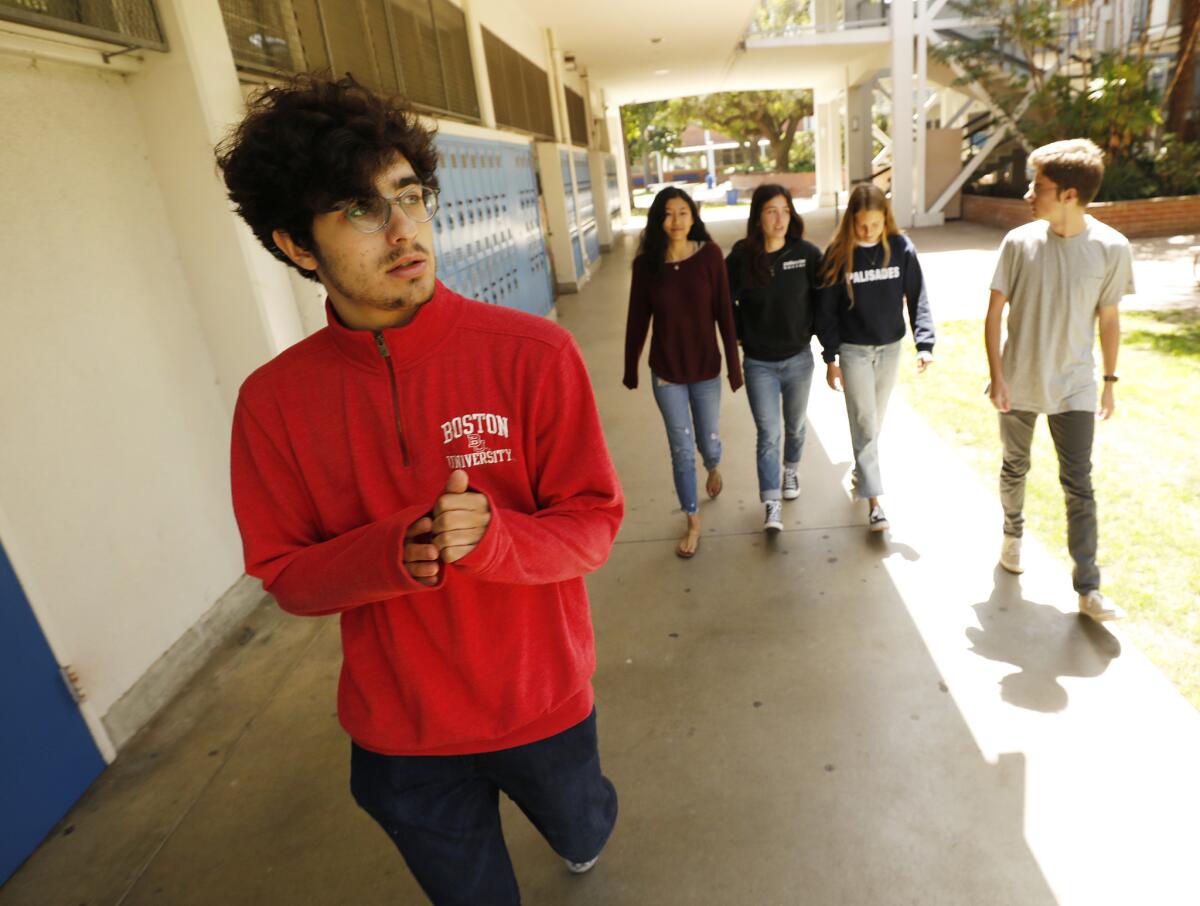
(859, 131)
(557, 96)
(617, 140)
(828, 147)
(902, 112)
(483, 82)
(922, 90)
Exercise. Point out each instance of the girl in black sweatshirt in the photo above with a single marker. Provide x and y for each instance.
(870, 274)
(773, 279)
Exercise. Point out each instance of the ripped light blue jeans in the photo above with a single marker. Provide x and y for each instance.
(691, 413)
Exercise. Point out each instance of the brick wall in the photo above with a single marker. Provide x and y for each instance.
(801, 185)
(1144, 217)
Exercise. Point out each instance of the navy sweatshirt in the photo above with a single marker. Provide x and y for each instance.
(775, 321)
(876, 316)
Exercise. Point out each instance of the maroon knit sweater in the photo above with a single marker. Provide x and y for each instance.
(684, 303)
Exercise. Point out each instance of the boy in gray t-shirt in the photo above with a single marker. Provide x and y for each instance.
(1058, 275)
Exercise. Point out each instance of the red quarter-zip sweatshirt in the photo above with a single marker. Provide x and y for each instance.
(344, 440)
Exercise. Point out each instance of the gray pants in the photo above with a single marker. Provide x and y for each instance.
(1072, 433)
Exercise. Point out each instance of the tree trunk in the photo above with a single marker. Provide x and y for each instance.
(1181, 89)
(783, 150)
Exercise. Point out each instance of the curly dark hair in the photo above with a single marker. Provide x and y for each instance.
(752, 251)
(652, 247)
(311, 144)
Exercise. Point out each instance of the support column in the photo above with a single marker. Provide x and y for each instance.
(902, 112)
(558, 91)
(187, 100)
(483, 81)
(558, 99)
(617, 142)
(829, 150)
(859, 141)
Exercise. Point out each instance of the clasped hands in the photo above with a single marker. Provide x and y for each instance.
(455, 528)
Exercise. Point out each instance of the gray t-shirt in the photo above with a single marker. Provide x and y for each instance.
(1055, 287)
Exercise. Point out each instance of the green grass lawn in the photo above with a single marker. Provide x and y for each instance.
(1144, 472)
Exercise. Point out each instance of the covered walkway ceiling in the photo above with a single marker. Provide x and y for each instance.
(700, 50)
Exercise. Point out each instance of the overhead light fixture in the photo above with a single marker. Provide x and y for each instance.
(661, 71)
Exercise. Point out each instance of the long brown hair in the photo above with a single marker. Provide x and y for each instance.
(839, 257)
(752, 249)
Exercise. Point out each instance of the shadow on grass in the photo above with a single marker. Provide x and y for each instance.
(1182, 341)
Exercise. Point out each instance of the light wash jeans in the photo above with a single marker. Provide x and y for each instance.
(868, 376)
(767, 384)
(684, 406)
(1073, 433)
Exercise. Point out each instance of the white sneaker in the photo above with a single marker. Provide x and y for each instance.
(877, 522)
(1010, 554)
(1099, 608)
(578, 868)
(774, 520)
(791, 484)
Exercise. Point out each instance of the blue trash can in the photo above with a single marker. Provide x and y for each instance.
(731, 196)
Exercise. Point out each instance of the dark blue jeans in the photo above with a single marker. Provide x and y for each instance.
(442, 811)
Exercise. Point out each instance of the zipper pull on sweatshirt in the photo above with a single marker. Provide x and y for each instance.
(382, 345)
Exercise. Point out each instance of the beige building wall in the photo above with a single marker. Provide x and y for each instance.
(114, 458)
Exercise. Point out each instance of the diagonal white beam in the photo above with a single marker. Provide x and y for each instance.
(961, 179)
(961, 110)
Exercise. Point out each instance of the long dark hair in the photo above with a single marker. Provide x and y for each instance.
(652, 246)
(752, 249)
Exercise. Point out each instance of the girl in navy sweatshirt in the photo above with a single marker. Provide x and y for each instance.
(773, 278)
(870, 273)
(679, 284)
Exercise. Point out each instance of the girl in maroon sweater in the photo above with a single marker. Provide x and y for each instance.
(680, 284)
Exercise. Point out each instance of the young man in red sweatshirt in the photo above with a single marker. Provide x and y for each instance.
(432, 470)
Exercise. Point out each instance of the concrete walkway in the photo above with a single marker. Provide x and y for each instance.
(826, 717)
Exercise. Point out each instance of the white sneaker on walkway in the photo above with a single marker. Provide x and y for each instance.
(877, 522)
(791, 484)
(1099, 608)
(774, 520)
(578, 868)
(1010, 554)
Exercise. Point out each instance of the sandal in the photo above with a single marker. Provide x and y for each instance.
(687, 555)
(714, 484)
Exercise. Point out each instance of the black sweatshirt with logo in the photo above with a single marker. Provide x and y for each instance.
(876, 315)
(776, 321)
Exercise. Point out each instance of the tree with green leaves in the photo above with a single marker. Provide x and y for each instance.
(1044, 49)
(648, 128)
(748, 116)
(781, 16)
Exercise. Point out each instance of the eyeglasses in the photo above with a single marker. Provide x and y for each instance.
(370, 215)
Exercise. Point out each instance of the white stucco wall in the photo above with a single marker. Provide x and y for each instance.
(113, 452)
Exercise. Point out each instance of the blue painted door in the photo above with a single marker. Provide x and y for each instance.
(47, 755)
